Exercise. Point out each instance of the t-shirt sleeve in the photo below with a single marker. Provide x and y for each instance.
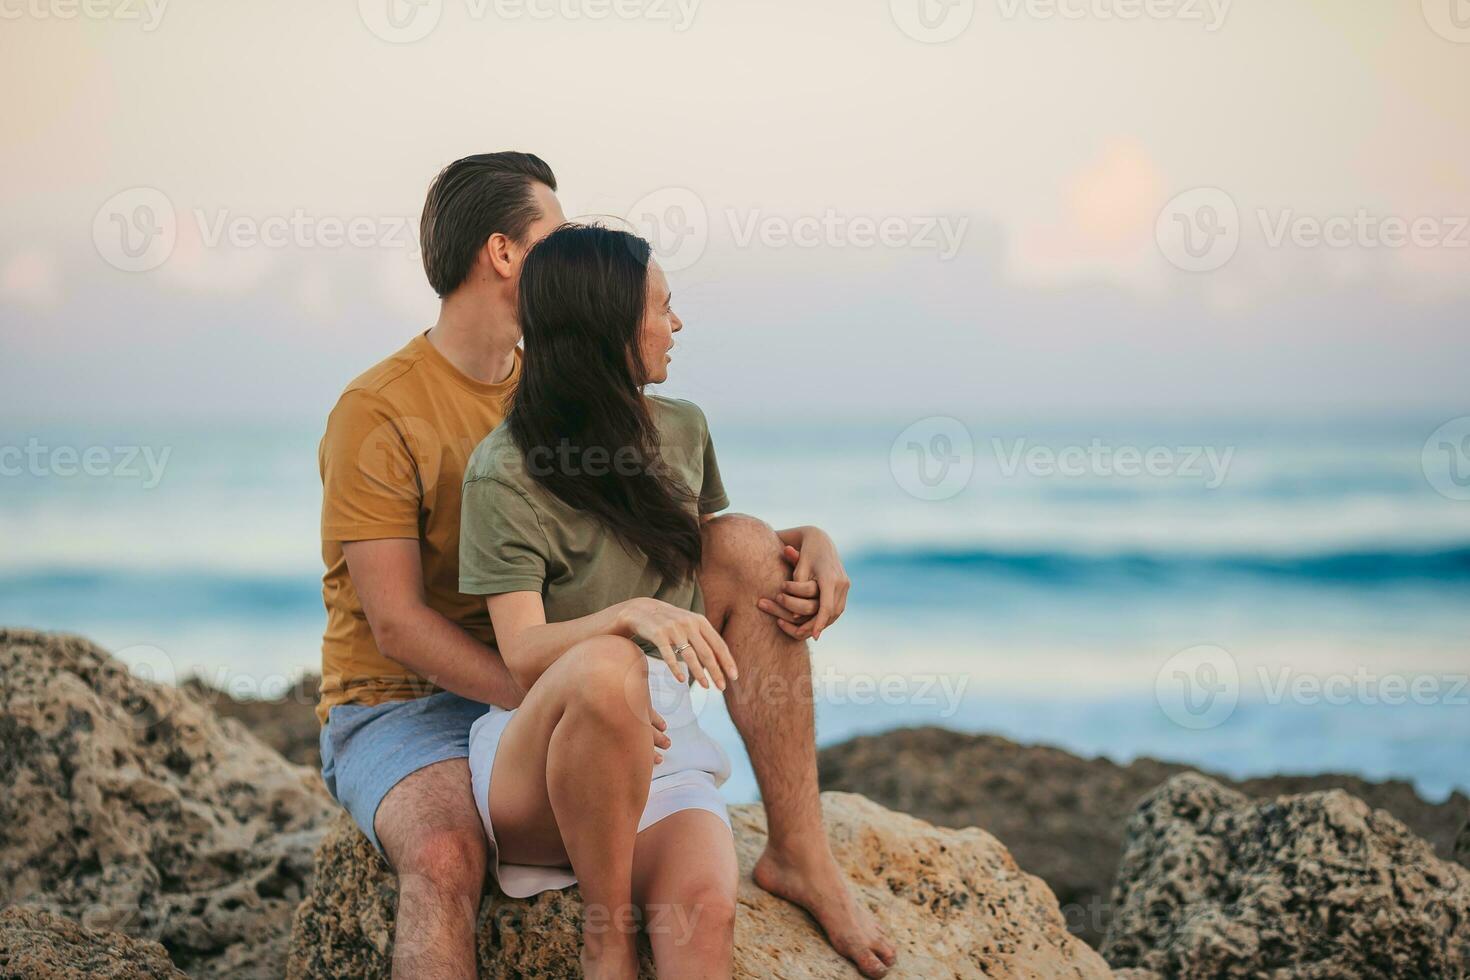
(712, 496)
(371, 485)
(502, 545)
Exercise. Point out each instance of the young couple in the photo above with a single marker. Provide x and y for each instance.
(524, 574)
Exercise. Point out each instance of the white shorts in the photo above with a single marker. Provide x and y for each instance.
(688, 778)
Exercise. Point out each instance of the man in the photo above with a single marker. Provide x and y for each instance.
(408, 662)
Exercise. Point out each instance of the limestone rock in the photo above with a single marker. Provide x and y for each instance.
(39, 945)
(954, 902)
(1062, 816)
(130, 807)
(1216, 885)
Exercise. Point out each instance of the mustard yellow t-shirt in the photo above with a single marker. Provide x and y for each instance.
(392, 464)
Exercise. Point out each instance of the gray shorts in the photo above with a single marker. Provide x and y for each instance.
(369, 749)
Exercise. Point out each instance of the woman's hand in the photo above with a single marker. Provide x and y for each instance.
(679, 634)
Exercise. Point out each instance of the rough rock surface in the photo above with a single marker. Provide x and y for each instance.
(129, 806)
(1216, 885)
(954, 901)
(39, 945)
(1063, 816)
(287, 723)
(1462, 845)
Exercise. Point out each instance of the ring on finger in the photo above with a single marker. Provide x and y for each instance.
(683, 646)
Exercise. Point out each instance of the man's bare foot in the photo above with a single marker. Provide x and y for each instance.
(817, 884)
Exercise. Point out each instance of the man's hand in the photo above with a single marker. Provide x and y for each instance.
(661, 740)
(816, 594)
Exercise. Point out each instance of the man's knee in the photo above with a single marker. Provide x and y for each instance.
(742, 551)
(444, 859)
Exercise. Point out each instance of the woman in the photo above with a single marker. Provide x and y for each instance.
(581, 527)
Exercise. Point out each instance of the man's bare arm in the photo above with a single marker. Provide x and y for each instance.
(390, 584)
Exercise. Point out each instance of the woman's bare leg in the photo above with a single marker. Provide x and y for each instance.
(570, 782)
(684, 879)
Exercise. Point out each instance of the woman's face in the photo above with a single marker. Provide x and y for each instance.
(660, 323)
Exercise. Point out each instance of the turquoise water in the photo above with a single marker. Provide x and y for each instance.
(1322, 574)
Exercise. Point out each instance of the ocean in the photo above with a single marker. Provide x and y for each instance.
(1249, 597)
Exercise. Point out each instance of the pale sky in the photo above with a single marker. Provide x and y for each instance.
(1021, 174)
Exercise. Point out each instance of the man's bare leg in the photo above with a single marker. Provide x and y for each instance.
(431, 833)
(771, 705)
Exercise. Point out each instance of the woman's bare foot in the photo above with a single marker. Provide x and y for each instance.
(607, 958)
(817, 884)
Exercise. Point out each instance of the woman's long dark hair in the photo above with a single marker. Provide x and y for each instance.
(579, 415)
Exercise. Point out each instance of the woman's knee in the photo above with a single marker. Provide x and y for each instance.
(706, 907)
(608, 676)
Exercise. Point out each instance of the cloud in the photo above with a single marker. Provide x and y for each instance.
(1101, 227)
(31, 279)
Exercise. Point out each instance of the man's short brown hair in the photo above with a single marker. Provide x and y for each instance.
(472, 199)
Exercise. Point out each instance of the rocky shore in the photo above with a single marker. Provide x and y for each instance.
(151, 831)
(954, 901)
(1065, 817)
(131, 807)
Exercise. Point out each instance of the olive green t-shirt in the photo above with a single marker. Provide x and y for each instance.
(516, 536)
